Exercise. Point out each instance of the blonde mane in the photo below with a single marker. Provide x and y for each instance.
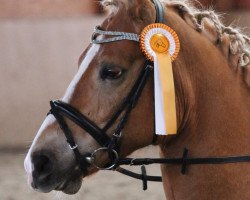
(239, 43)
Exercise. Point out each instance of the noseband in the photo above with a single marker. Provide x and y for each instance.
(110, 145)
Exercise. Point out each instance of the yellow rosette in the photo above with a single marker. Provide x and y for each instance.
(161, 45)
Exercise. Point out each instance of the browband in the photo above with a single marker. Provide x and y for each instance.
(118, 36)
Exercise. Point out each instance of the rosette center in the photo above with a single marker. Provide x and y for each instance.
(159, 43)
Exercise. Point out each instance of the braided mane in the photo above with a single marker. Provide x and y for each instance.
(239, 43)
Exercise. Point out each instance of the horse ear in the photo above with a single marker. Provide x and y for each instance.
(143, 11)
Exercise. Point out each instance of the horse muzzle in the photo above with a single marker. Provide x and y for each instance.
(45, 174)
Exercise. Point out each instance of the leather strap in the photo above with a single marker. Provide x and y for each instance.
(59, 108)
(138, 176)
(159, 12)
(184, 161)
(187, 161)
(133, 96)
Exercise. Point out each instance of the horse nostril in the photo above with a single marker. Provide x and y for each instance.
(42, 166)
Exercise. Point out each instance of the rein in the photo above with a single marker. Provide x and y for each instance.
(110, 145)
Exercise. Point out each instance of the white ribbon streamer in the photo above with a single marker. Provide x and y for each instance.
(160, 122)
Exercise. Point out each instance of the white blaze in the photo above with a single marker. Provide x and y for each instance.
(27, 162)
(93, 50)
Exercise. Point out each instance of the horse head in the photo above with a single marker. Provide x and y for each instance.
(210, 86)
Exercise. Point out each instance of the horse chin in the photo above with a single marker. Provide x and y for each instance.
(72, 184)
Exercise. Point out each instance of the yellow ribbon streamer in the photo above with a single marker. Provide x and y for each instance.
(168, 91)
(161, 45)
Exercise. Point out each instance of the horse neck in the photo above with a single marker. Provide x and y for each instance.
(221, 108)
(214, 122)
(212, 97)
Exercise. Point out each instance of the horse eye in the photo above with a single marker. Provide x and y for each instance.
(108, 73)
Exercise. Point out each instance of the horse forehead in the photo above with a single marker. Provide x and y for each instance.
(121, 51)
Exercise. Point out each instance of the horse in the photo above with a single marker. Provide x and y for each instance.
(212, 87)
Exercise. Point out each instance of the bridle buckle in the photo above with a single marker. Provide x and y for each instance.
(118, 135)
(73, 147)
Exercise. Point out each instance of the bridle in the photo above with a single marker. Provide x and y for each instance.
(60, 110)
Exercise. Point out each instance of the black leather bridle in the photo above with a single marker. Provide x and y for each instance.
(60, 110)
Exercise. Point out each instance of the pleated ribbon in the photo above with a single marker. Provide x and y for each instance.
(161, 45)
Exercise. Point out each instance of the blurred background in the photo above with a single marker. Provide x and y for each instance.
(40, 42)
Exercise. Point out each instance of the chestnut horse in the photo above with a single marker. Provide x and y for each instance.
(212, 83)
